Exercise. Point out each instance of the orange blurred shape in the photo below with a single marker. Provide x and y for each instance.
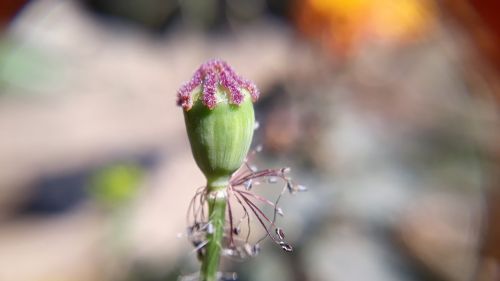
(342, 25)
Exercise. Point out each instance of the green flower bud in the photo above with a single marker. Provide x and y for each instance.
(219, 117)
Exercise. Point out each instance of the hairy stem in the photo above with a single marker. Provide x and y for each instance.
(216, 199)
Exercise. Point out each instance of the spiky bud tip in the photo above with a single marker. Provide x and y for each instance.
(215, 76)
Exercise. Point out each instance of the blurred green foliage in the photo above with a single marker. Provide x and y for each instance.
(25, 70)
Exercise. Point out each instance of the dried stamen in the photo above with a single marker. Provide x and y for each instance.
(280, 233)
(239, 191)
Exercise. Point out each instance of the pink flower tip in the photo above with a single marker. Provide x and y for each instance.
(211, 75)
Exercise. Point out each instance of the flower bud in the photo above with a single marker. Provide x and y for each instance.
(219, 117)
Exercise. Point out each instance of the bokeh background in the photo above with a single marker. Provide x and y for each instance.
(387, 110)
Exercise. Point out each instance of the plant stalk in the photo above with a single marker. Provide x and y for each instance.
(216, 199)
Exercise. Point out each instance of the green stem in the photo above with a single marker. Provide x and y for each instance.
(217, 197)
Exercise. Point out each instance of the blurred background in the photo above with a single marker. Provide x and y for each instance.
(387, 110)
